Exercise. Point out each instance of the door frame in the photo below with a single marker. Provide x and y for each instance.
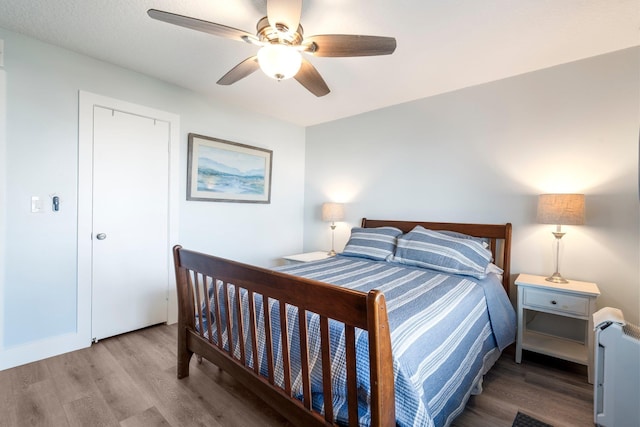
(87, 101)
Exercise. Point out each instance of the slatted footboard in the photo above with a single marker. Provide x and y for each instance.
(229, 335)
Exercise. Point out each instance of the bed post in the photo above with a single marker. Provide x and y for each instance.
(185, 313)
(506, 259)
(381, 361)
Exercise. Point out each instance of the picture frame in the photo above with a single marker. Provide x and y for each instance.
(225, 171)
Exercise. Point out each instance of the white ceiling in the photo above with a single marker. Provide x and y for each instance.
(443, 45)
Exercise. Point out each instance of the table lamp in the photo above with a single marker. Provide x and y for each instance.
(332, 212)
(560, 209)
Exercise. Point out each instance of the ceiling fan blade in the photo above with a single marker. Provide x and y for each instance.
(340, 45)
(286, 12)
(204, 26)
(240, 71)
(311, 79)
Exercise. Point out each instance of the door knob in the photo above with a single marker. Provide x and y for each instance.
(101, 236)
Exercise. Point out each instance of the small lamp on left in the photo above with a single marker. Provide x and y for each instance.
(332, 212)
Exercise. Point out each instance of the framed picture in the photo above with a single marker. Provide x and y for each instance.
(224, 171)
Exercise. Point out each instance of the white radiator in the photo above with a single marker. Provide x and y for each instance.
(617, 370)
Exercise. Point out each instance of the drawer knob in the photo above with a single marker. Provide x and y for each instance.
(554, 302)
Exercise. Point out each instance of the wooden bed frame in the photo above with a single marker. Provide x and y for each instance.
(367, 311)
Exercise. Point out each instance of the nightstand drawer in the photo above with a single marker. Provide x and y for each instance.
(573, 304)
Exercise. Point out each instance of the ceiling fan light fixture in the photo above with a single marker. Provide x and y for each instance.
(281, 38)
(279, 61)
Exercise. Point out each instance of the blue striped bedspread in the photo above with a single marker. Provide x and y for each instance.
(446, 332)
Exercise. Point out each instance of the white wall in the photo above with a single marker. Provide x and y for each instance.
(484, 153)
(40, 283)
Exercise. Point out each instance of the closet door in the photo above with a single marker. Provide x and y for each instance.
(130, 222)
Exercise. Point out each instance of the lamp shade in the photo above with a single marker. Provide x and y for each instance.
(561, 209)
(332, 211)
(279, 61)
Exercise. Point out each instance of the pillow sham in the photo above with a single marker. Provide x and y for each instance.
(377, 244)
(442, 252)
(482, 240)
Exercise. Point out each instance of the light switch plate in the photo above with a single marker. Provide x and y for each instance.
(36, 204)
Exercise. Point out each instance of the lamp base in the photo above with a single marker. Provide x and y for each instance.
(556, 278)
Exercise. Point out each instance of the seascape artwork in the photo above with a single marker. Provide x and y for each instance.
(223, 171)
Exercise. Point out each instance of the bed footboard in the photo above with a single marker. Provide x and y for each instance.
(222, 310)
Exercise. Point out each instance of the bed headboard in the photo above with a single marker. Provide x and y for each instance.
(499, 236)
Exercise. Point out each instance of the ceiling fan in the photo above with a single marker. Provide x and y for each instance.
(282, 42)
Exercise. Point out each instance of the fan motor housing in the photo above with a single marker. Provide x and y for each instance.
(280, 34)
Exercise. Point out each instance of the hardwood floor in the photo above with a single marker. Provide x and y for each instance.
(130, 380)
(548, 389)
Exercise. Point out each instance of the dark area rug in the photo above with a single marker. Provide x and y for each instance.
(523, 420)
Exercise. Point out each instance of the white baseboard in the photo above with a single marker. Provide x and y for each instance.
(22, 354)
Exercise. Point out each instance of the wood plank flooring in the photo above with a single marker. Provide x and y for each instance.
(130, 381)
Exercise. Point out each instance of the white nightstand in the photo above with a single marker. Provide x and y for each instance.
(306, 257)
(556, 319)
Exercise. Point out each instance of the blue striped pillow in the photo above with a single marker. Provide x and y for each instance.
(482, 240)
(373, 243)
(442, 252)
